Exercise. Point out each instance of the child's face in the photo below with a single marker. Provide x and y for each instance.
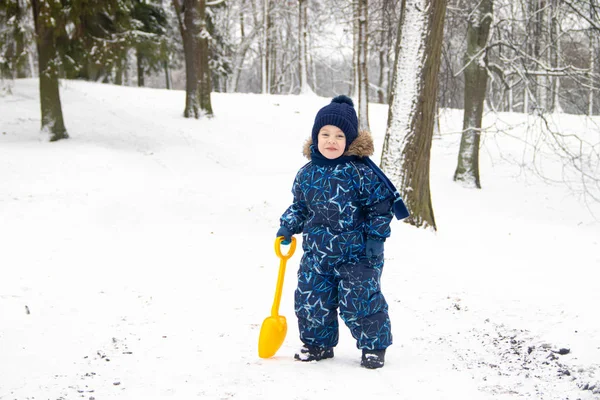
(332, 142)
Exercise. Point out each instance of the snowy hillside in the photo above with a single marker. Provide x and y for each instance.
(137, 261)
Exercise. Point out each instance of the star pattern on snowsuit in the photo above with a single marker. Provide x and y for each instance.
(337, 207)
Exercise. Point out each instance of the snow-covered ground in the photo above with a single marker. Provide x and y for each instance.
(136, 261)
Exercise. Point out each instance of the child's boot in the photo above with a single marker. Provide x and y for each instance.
(372, 359)
(313, 353)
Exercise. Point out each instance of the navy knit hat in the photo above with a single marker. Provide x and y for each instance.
(340, 112)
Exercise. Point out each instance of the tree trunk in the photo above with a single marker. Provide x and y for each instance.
(168, 80)
(363, 79)
(313, 64)
(238, 61)
(15, 56)
(467, 170)
(592, 63)
(20, 63)
(240, 54)
(303, 56)
(48, 64)
(382, 90)
(541, 81)
(189, 32)
(119, 72)
(140, 68)
(31, 64)
(272, 54)
(536, 12)
(264, 59)
(355, 49)
(555, 50)
(511, 92)
(204, 75)
(407, 144)
(273, 73)
(237, 58)
(121, 65)
(381, 97)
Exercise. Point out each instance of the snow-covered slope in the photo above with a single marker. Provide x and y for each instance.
(137, 261)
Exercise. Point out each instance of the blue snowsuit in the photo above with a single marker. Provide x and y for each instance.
(338, 205)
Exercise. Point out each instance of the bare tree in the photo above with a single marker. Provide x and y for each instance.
(361, 67)
(264, 58)
(239, 55)
(355, 49)
(592, 58)
(552, 73)
(407, 144)
(554, 53)
(480, 18)
(303, 47)
(451, 85)
(383, 46)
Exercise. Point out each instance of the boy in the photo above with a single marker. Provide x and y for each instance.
(343, 205)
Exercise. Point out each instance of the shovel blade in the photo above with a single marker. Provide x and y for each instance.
(272, 335)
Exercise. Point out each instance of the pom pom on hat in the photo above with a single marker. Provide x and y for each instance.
(341, 99)
(340, 112)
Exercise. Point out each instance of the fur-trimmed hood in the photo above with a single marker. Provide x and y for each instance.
(362, 146)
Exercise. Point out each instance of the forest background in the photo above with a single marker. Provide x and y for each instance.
(537, 57)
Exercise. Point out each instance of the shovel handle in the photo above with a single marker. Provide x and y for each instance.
(290, 252)
(281, 275)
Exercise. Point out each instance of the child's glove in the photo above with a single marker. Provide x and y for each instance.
(287, 235)
(374, 248)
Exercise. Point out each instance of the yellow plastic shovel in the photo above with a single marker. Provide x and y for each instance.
(274, 328)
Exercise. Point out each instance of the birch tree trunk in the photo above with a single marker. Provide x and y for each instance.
(303, 56)
(363, 79)
(355, 51)
(534, 37)
(541, 81)
(407, 144)
(264, 59)
(382, 92)
(467, 170)
(238, 60)
(511, 91)
(592, 64)
(272, 61)
(313, 65)
(48, 65)
(554, 54)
